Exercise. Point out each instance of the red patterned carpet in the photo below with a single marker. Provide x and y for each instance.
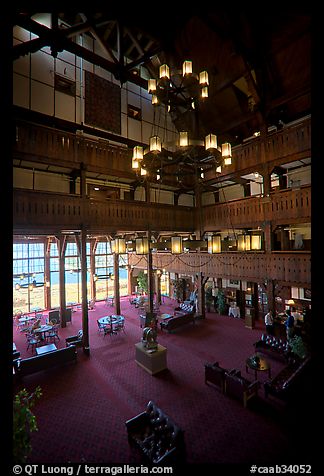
(81, 415)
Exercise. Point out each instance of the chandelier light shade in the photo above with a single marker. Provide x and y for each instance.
(143, 171)
(227, 153)
(155, 100)
(256, 242)
(214, 244)
(203, 78)
(141, 246)
(211, 142)
(164, 71)
(176, 245)
(135, 164)
(138, 152)
(120, 246)
(187, 67)
(204, 92)
(155, 144)
(151, 86)
(219, 169)
(244, 243)
(183, 139)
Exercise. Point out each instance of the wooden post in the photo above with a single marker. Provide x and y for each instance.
(47, 274)
(158, 287)
(116, 284)
(85, 320)
(150, 284)
(61, 242)
(129, 280)
(93, 246)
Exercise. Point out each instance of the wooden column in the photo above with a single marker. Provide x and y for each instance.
(129, 279)
(150, 283)
(267, 233)
(93, 246)
(266, 181)
(85, 319)
(201, 281)
(270, 289)
(47, 275)
(116, 284)
(158, 287)
(61, 242)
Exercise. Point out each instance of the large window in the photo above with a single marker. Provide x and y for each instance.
(28, 276)
(104, 269)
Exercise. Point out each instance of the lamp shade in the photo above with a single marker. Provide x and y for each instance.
(204, 92)
(244, 243)
(255, 242)
(176, 245)
(135, 164)
(155, 100)
(141, 246)
(214, 244)
(187, 67)
(155, 144)
(227, 153)
(143, 171)
(120, 246)
(138, 152)
(211, 142)
(164, 71)
(183, 139)
(151, 87)
(203, 78)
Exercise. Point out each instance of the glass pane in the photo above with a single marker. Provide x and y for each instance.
(55, 287)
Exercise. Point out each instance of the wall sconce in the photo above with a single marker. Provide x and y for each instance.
(141, 246)
(214, 244)
(176, 245)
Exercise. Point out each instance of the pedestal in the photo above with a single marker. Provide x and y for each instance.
(151, 362)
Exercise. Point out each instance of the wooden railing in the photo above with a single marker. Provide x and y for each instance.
(70, 149)
(32, 209)
(279, 207)
(53, 145)
(294, 268)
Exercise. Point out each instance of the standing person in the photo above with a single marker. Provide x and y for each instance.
(268, 320)
(289, 323)
(214, 294)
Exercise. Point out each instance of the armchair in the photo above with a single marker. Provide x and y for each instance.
(215, 375)
(239, 387)
(76, 340)
(156, 435)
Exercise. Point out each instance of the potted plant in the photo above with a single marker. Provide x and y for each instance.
(142, 281)
(298, 347)
(221, 303)
(178, 289)
(24, 423)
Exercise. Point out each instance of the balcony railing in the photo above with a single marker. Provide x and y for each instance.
(279, 207)
(45, 210)
(251, 266)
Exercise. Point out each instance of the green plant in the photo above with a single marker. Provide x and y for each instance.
(178, 288)
(24, 423)
(142, 281)
(298, 347)
(221, 304)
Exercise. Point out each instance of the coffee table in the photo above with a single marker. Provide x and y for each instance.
(262, 365)
(45, 349)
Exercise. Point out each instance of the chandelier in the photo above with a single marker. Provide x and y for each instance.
(180, 92)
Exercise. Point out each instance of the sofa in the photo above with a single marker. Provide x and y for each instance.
(159, 439)
(239, 387)
(46, 361)
(175, 322)
(285, 382)
(273, 347)
(183, 309)
(76, 339)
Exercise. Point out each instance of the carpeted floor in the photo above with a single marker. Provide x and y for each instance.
(82, 412)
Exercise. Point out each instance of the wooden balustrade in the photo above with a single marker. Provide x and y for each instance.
(46, 210)
(69, 149)
(279, 207)
(294, 268)
(53, 145)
